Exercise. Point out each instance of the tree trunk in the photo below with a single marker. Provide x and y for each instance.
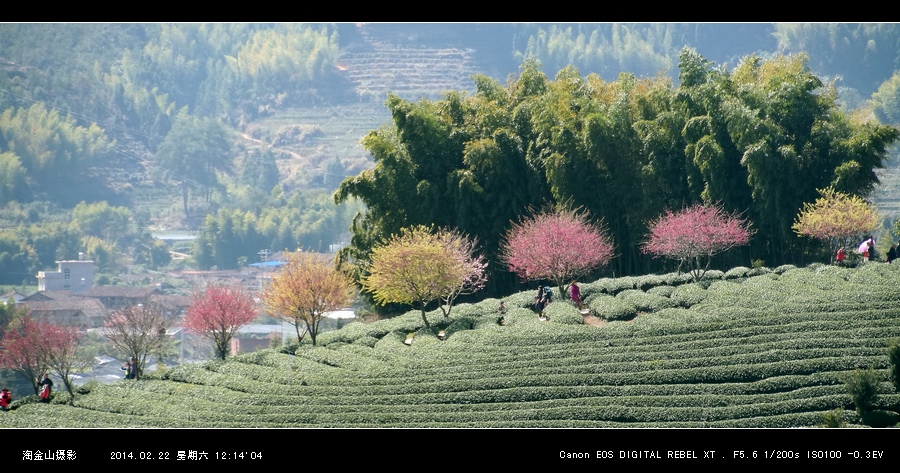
(184, 198)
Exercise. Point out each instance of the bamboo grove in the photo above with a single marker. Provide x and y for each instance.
(759, 139)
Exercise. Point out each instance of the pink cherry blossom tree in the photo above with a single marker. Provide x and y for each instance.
(217, 313)
(694, 235)
(558, 246)
(23, 350)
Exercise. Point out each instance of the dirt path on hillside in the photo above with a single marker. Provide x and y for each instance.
(593, 321)
(263, 143)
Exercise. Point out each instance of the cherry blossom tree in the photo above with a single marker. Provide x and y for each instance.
(305, 290)
(836, 218)
(63, 348)
(217, 312)
(421, 265)
(474, 265)
(694, 235)
(558, 246)
(23, 351)
(138, 331)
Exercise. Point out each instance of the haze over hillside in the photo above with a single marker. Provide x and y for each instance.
(295, 101)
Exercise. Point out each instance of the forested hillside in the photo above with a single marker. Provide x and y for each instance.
(240, 133)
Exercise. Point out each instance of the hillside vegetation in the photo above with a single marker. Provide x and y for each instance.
(744, 348)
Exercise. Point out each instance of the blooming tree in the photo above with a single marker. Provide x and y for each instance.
(217, 313)
(63, 349)
(559, 246)
(23, 350)
(138, 331)
(420, 265)
(304, 290)
(473, 279)
(836, 218)
(696, 234)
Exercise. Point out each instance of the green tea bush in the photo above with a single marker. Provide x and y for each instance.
(713, 275)
(737, 272)
(675, 279)
(879, 418)
(522, 299)
(783, 268)
(612, 308)
(649, 281)
(617, 285)
(689, 295)
(588, 289)
(366, 341)
(644, 302)
(563, 313)
(894, 359)
(662, 291)
(758, 271)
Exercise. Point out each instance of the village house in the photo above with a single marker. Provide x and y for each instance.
(76, 276)
(65, 308)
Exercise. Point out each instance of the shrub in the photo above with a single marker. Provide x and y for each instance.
(758, 271)
(663, 291)
(617, 285)
(612, 308)
(563, 313)
(834, 419)
(675, 279)
(862, 385)
(590, 288)
(689, 295)
(649, 281)
(87, 387)
(894, 357)
(880, 418)
(737, 272)
(644, 302)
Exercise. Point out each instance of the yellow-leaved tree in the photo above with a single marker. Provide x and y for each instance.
(421, 265)
(304, 290)
(836, 218)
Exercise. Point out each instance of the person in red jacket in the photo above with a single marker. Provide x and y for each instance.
(46, 388)
(575, 294)
(5, 400)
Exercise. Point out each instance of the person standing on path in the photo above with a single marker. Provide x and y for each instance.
(575, 294)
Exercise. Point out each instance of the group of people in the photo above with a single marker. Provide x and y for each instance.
(130, 368)
(45, 386)
(544, 297)
(867, 251)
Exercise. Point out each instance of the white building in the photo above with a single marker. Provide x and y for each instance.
(76, 276)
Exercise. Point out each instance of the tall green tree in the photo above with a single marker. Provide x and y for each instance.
(194, 150)
(461, 162)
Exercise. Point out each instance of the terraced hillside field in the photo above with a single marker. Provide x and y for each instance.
(745, 348)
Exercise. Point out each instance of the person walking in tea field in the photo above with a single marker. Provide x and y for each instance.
(46, 388)
(575, 294)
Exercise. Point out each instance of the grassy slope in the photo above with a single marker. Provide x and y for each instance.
(764, 349)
